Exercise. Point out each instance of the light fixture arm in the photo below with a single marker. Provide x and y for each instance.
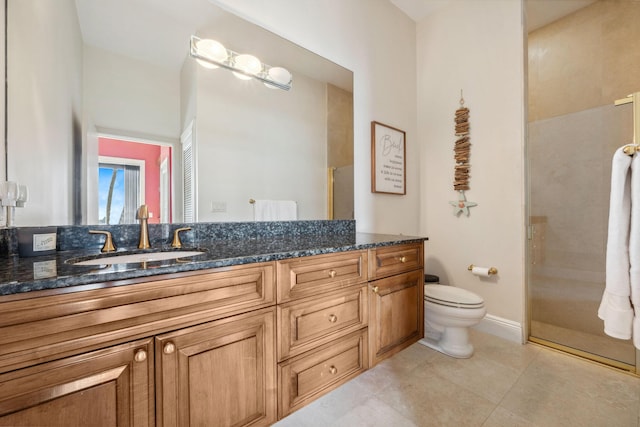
(229, 65)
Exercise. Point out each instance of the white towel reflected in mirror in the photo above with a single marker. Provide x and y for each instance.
(275, 210)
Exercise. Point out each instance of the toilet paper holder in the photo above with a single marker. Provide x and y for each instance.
(492, 270)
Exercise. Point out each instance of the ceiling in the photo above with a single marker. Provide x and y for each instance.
(162, 28)
(539, 12)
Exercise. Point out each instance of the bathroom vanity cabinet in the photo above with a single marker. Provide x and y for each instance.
(143, 352)
(239, 345)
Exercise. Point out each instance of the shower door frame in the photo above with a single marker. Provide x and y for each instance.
(633, 98)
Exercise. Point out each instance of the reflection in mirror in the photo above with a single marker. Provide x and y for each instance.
(84, 74)
(128, 174)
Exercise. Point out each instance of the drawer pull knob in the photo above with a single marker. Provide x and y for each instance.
(333, 318)
(332, 274)
(333, 370)
(375, 289)
(403, 259)
(140, 356)
(169, 348)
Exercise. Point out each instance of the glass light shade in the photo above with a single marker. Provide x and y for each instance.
(211, 49)
(278, 75)
(247, 63)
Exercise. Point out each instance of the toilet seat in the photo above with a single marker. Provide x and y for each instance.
(450, 296)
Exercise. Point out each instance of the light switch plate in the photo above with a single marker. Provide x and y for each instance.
(218, 206)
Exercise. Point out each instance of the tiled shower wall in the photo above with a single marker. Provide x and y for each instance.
(585, 60)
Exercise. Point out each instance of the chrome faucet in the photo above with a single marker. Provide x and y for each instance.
(143, 216)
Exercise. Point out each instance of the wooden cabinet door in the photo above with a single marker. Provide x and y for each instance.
(110, 387)
(221, 373)
(396, 314)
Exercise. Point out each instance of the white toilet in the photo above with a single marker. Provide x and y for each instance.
(448, 313)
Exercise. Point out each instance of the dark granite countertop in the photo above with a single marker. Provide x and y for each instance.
(19, 275)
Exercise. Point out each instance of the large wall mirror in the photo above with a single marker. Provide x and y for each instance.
(106, 110)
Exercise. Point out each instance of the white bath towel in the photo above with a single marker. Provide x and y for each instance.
(634, 247)
(615, 307)
(275, 210)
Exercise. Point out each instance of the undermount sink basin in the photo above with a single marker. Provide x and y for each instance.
(136, 257)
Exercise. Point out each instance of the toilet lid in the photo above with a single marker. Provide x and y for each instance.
(452, 296)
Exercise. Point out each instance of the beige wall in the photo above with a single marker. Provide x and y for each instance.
(585, 60)
(339, 127)
(478, 47)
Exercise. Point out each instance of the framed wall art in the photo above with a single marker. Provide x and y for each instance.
(388, 160)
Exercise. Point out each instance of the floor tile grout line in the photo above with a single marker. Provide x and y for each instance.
(515, 383)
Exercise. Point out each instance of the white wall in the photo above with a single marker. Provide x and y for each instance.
(477, 47)
(152, 95)
(279, 136)
(377, 42)
(3, 159)
(127, 98)
(46, 93)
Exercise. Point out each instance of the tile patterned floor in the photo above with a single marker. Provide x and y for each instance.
(503, 384)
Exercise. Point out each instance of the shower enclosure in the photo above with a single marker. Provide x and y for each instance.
(578, 67)
(570, 169)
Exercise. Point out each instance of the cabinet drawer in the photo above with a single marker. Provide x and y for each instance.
(314, 275)
(310, 322)
(390, 260)
(304, 378)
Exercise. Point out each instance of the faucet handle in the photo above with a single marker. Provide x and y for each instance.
(176, 243)
(143, 212)
(108, 241)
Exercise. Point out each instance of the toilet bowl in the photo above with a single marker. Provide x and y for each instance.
(448, 314)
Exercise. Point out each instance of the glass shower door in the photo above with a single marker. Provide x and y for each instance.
(579, 66)
(570, 175)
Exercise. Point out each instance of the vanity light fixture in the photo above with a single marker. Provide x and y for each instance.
(212, 54)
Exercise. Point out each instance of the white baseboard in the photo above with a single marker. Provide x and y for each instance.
(503, 328)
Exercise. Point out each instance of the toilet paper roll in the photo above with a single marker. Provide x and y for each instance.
(480, 271)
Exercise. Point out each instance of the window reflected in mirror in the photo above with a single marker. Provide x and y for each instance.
(131, 174)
